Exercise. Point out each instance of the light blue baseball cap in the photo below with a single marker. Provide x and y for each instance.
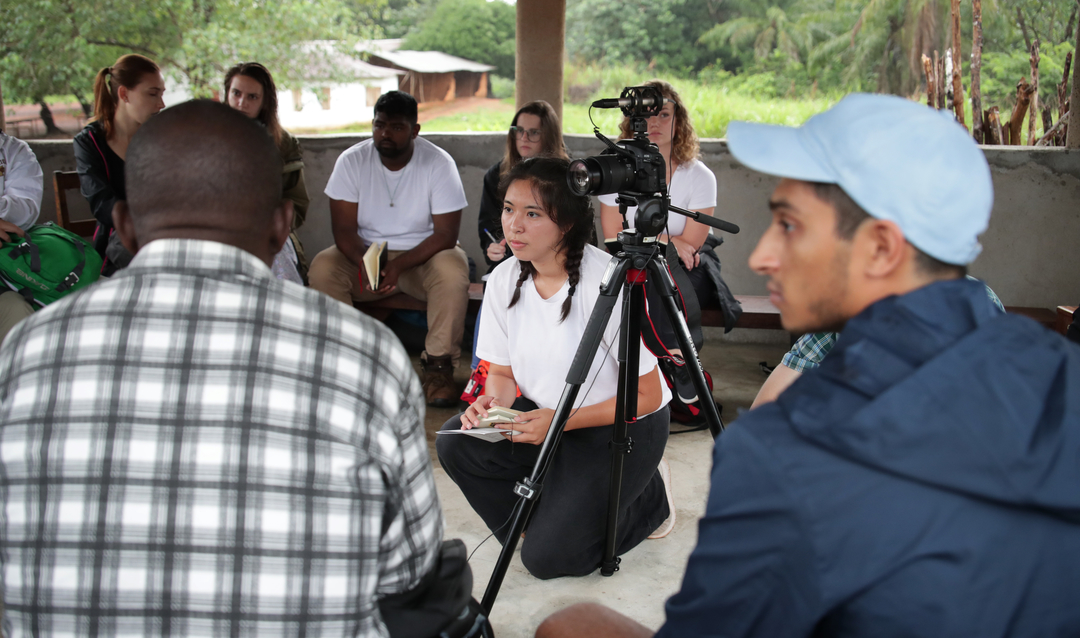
(899, 160)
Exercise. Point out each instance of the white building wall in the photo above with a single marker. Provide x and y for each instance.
(349, 104)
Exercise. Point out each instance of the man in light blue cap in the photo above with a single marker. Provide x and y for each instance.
(923, 480)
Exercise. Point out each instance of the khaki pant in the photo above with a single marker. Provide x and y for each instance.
(13, 309)
(443, 282)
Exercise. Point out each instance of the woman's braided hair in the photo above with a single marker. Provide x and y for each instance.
(573, 215)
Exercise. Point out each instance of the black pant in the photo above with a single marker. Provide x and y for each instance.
(565, 535)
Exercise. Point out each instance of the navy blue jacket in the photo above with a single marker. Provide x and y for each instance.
(924, 481)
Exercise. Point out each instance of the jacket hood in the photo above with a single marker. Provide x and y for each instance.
(939, 387)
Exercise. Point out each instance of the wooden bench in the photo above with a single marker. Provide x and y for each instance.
(1064, 318)
(1045, 316)
(758, 312)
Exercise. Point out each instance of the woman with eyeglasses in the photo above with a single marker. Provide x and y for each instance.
(534, 132)
(249, 88)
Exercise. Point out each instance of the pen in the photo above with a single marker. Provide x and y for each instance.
(490, 236)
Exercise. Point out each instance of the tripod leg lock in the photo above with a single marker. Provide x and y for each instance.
(626, 447)
(526, 489)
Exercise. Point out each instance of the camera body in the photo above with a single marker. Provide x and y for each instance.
(634, 166)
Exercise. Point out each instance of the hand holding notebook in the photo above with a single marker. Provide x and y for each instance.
(374, 262)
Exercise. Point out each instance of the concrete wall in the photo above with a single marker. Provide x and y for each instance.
(1031, 250)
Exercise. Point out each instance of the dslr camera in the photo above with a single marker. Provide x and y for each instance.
(633, 168)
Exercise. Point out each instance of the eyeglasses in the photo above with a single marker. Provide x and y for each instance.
(532, 134)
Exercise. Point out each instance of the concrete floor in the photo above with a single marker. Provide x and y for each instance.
(651, 572)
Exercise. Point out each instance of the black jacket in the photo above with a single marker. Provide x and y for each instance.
(490, 216)
(101, 179)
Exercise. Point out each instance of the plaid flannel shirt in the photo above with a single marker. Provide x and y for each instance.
(194, 448)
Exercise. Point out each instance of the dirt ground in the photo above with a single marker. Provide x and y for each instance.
(24, 121)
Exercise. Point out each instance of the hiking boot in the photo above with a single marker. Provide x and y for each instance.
(438, 382)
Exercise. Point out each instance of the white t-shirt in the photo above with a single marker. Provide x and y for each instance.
(20, 183)
(693, 187)
(428, 185)
(530, 339)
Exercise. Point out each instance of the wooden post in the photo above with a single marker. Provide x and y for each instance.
(1016, 121)
(988, 120)
(1072, 138)
(1034, 110)
(1053, 132)
(957, 66)
(995, 126)
(939, 84)
(977, 130)
(1063, 88)
(931, 92)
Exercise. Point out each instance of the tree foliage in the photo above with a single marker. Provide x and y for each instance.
(56, 46)
(473, 29)
(391, 18)
(662, 34)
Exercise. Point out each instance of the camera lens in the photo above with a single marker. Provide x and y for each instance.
(600, 175)
(580, 179)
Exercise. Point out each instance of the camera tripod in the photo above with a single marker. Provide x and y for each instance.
(639, 260)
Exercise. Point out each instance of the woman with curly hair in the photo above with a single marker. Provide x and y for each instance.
(536, 306)
(692, 186)
(249, 88)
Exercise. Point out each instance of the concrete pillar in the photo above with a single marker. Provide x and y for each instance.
(541, 38)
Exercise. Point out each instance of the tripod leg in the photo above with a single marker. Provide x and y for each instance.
(625, 408)
(662, 278)
(529, 488)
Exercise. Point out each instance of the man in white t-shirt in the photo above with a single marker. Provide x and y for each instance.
(20, 202)
(404, 190)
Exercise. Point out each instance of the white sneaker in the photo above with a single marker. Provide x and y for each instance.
(669, 523)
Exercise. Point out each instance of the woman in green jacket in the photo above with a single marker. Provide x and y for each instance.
(249, 88)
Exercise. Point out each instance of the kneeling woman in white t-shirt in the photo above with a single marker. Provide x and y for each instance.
(536, 306)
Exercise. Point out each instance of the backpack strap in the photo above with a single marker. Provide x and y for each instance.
(27, 246)
(72, 277)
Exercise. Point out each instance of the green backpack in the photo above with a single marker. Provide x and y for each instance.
(48, 263)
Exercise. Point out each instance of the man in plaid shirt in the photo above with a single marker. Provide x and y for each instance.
(194, 448)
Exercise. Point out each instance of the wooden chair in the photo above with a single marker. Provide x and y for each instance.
(63, 181)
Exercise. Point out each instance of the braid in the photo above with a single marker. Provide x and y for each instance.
(573, 214)
(574, 253)
(526, 271)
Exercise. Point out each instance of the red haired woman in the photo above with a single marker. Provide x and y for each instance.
(126, 94)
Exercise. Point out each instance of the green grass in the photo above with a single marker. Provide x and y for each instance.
(493, 117)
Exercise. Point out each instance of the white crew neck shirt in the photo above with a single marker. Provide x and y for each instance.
(693, 187)
(530, 339)
(428, 185)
